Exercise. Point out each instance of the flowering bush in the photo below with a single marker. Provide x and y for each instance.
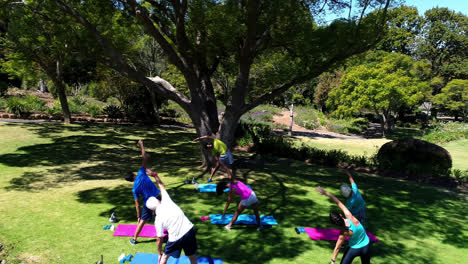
(445, 132)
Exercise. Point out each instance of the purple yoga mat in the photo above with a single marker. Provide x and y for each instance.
(331, 234)
(129, 231)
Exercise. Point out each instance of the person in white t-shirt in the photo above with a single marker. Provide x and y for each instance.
(169, 216)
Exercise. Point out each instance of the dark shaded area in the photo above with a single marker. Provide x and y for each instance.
(97, 153)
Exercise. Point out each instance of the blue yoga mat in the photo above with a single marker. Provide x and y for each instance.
(211, 188)
(216, 219)
(147, 258)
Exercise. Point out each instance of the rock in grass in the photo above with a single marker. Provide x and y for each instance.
(414, 157)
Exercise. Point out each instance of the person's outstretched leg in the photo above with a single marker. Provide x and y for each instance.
(349, 255)
(139, 228)
(239, 210)
(164, 259)
(365, 254)
(257, 215)
(193, 259)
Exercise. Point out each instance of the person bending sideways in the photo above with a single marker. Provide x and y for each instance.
(354, 202)
(142, 186)
(249, 199)
(169, 216)
(221, 153)
(359, 243)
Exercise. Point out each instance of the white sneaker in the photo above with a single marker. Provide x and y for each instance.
(121, 257)
(227, 228)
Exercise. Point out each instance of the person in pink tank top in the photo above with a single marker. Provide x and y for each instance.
(249, 199)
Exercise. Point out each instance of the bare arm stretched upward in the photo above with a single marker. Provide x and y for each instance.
(351, 180)
(343, 208)
(143, 154)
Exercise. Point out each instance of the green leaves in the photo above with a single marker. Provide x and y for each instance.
(383, 82)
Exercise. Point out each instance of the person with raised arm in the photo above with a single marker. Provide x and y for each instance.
(359, 243)
(142, 186)
(180, 230)
(354, 201)
(220, 152)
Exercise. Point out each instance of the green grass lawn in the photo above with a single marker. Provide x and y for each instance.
(59, 184)
(459, 151)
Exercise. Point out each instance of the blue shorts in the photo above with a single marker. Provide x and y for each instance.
(147, 214)
(227, 158)
(188, 243)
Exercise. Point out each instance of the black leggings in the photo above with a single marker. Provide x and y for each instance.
(351, 253)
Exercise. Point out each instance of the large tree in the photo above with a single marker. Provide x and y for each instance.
(201, 36)
(38, 37)
(403, 28)
(384, 83)
(444, 43)
(454, 98)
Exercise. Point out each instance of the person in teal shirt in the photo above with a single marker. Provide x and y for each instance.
(354, 202)
(221, 153)
(359, 243)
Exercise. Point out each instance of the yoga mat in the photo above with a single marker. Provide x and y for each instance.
(331, 234)
(216, 219)
(211, 188)
(146, 258)
(129, 231)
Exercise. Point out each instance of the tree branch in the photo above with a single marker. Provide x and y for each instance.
(121, 66)
(143, 15)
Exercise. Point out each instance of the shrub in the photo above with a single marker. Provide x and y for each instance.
(34, 103)
(93, 110)
(445, 132)
(414, 157)
(263, 116)
(113, 111)
(3, 103)
(309, 118)
(252, 131)
(79, 100)
(16, 106)
(461, 176)
(284, 147)
(350, 125)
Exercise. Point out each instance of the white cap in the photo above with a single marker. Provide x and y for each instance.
(345, 190)
(152, 203)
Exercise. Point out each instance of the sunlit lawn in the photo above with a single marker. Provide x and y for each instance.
(59, 184)
(459, 151)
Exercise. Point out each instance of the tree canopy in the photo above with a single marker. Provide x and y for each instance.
(381, 82)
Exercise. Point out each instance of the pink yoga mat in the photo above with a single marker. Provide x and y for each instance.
(331, 234)
(129, 231)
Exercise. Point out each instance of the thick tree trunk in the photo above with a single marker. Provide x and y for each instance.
(60, 86)
(155, 106)
(203, 112)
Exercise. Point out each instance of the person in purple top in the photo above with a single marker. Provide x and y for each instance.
(249, 199)
(142, 186)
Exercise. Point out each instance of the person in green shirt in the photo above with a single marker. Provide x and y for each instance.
(221, 153)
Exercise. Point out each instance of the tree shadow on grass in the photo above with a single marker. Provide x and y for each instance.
(96, 153)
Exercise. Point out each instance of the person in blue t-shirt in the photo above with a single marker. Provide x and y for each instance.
(355, 203)
(142, 186)
(359, 243)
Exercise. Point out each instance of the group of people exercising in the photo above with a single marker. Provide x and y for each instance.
(181, 234)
